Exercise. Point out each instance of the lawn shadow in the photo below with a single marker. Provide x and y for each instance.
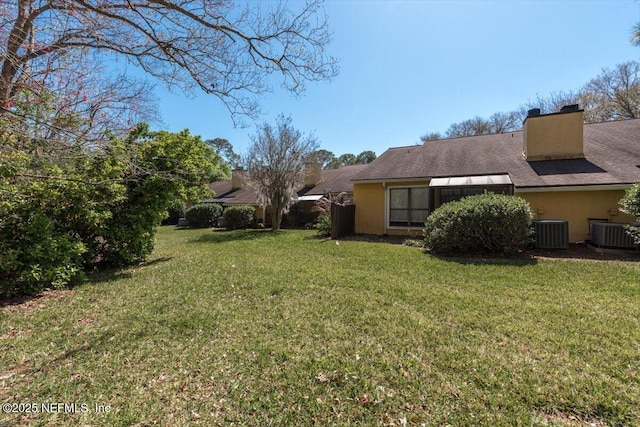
(155, 261)
(586, 252)
(107, 275)
(25, 301)
(114, 274)
(318, 238)
(92, 344)
(224, 236)
(516, 261)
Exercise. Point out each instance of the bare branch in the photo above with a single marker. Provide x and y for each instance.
(225, 50)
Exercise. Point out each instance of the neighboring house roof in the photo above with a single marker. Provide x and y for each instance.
(611, 149)
(228, 196)
(333, 180)
(336, 180)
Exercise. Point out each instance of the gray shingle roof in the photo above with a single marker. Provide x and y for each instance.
(612, 156)
(336, 180)
(226, 195)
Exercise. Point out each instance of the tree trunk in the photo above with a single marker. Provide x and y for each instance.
(276, 216)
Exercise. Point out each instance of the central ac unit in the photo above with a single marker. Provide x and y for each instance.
(551, 234)
(612, 235)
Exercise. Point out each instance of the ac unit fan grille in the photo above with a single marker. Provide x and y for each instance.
(551, 234)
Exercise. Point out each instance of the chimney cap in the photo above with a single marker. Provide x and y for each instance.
(533, 112)
(571, 107)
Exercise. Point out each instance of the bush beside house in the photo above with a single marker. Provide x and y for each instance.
(484, 223)
(203, 215)
(239, 217)
(630, 204)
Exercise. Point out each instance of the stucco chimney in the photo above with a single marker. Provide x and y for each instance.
(554, 136)
(312, 174)
(238, 179)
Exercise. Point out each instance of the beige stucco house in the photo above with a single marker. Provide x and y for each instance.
(565, 170)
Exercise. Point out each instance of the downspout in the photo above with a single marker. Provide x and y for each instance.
(386, 210)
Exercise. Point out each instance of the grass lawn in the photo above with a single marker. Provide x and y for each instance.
(262, 328)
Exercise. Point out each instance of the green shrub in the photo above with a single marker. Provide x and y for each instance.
(204, 215)
(239, 217)
(483, 223)
(630, 204)
(323, 225)
(35, 256)
(60, 217)
(174, 213)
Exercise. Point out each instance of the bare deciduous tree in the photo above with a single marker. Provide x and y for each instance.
(614, 94)
(431, 136)
(276, 164)
(551, 103)
(222, 48)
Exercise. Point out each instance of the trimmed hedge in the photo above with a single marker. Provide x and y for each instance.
(239, 217)
(488, 222)
(203, 215)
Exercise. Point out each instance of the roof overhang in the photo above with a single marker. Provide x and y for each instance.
(312, 198)
(471, 181)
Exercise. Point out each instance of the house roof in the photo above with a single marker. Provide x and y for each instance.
(611, 149)
(336, 180)
(333, 180)
(228, 196)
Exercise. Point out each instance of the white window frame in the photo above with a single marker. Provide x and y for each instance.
(387, 206)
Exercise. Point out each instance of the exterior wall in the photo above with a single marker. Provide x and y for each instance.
(369, 201)
(259, 212)
(576, 207)
(554, 136)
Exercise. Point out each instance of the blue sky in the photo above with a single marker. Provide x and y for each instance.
(412, 67)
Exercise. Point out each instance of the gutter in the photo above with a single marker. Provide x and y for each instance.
(391, 180)
(549, 188)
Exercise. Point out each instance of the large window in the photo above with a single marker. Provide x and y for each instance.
(408, 207)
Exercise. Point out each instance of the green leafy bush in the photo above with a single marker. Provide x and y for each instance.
(175, 211)
(323, 225)
(204, 215)
(239, 217)
(483, 223)
(630, 204)
(62, 216)
(35, 256)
